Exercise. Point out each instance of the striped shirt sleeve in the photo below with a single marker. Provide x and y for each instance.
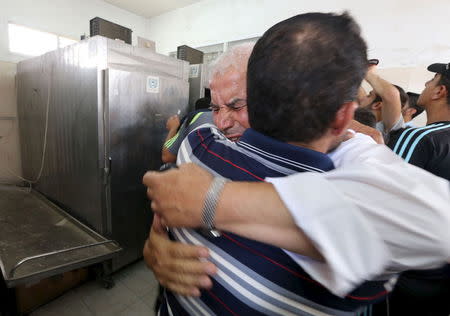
(173, 144)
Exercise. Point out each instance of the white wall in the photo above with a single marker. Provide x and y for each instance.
(69, 18)
(402, 33)
(406, 35)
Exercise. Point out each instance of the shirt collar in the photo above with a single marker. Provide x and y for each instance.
(300, 154)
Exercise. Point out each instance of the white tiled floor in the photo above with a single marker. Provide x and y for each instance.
(133, 295)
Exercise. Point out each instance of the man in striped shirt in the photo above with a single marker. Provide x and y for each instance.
(177, 133)
(255, 278)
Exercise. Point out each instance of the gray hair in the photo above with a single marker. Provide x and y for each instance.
(236, 57)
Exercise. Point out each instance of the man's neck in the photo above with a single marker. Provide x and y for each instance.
(320, 145)
(378, 116)
(407, 118)
(438, 112)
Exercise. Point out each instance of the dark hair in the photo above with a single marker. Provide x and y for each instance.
(377, 98)
(403, 96)
(301, 72)
(207, 93)
(445, 81)
(413, 97)
(366, 117)
(202, 103)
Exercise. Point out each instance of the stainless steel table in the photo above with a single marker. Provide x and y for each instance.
(38, 239)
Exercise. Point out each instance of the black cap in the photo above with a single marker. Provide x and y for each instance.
(443, 69)
(412, 94)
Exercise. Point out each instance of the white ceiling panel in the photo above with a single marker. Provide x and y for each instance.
(150, 8)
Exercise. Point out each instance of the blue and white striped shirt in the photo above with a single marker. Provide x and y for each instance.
(255, 278)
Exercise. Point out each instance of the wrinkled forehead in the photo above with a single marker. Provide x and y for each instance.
(228, 85)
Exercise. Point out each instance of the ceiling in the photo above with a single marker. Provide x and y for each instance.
(150, 8)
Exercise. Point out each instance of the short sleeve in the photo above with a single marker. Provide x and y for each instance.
(352, 249)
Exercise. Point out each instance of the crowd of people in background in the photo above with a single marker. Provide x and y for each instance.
(371, 234)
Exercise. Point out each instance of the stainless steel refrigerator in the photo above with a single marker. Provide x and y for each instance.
(104, 105)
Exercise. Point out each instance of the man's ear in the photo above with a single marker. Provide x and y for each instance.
(410, 111)
(343, 118)
(440, 91)
(376, 105)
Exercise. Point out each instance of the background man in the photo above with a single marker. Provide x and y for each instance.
(385, 101)
(427, 292)
(429, 147)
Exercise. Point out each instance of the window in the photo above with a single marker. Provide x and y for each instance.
(26, 41)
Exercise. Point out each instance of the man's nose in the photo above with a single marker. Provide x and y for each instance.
(225, 120)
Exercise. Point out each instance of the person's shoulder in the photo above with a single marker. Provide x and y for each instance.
(436, 133)
(441, 131)
(352, 149)
(409, 134)
(396, 135)
(206, 132)
(195, 115)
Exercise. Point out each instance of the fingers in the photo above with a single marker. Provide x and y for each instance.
(177, 195)
(181, 289)
(175, 257)
(179, 250)
(157, 226)
(186, 288)
(178, 266)
(150, 177)
(173, 122)
(379, 139)
(189, 275)
(187, 271)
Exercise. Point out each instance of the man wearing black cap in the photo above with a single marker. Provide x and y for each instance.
(427, 292)
(429, 147)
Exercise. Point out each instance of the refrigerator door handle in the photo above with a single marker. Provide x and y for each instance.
(107, 171)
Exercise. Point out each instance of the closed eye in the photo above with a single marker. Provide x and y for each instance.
(214, 108)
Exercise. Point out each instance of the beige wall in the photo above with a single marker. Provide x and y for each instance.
(9, 134)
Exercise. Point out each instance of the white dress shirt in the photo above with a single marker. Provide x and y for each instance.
(375, 215)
